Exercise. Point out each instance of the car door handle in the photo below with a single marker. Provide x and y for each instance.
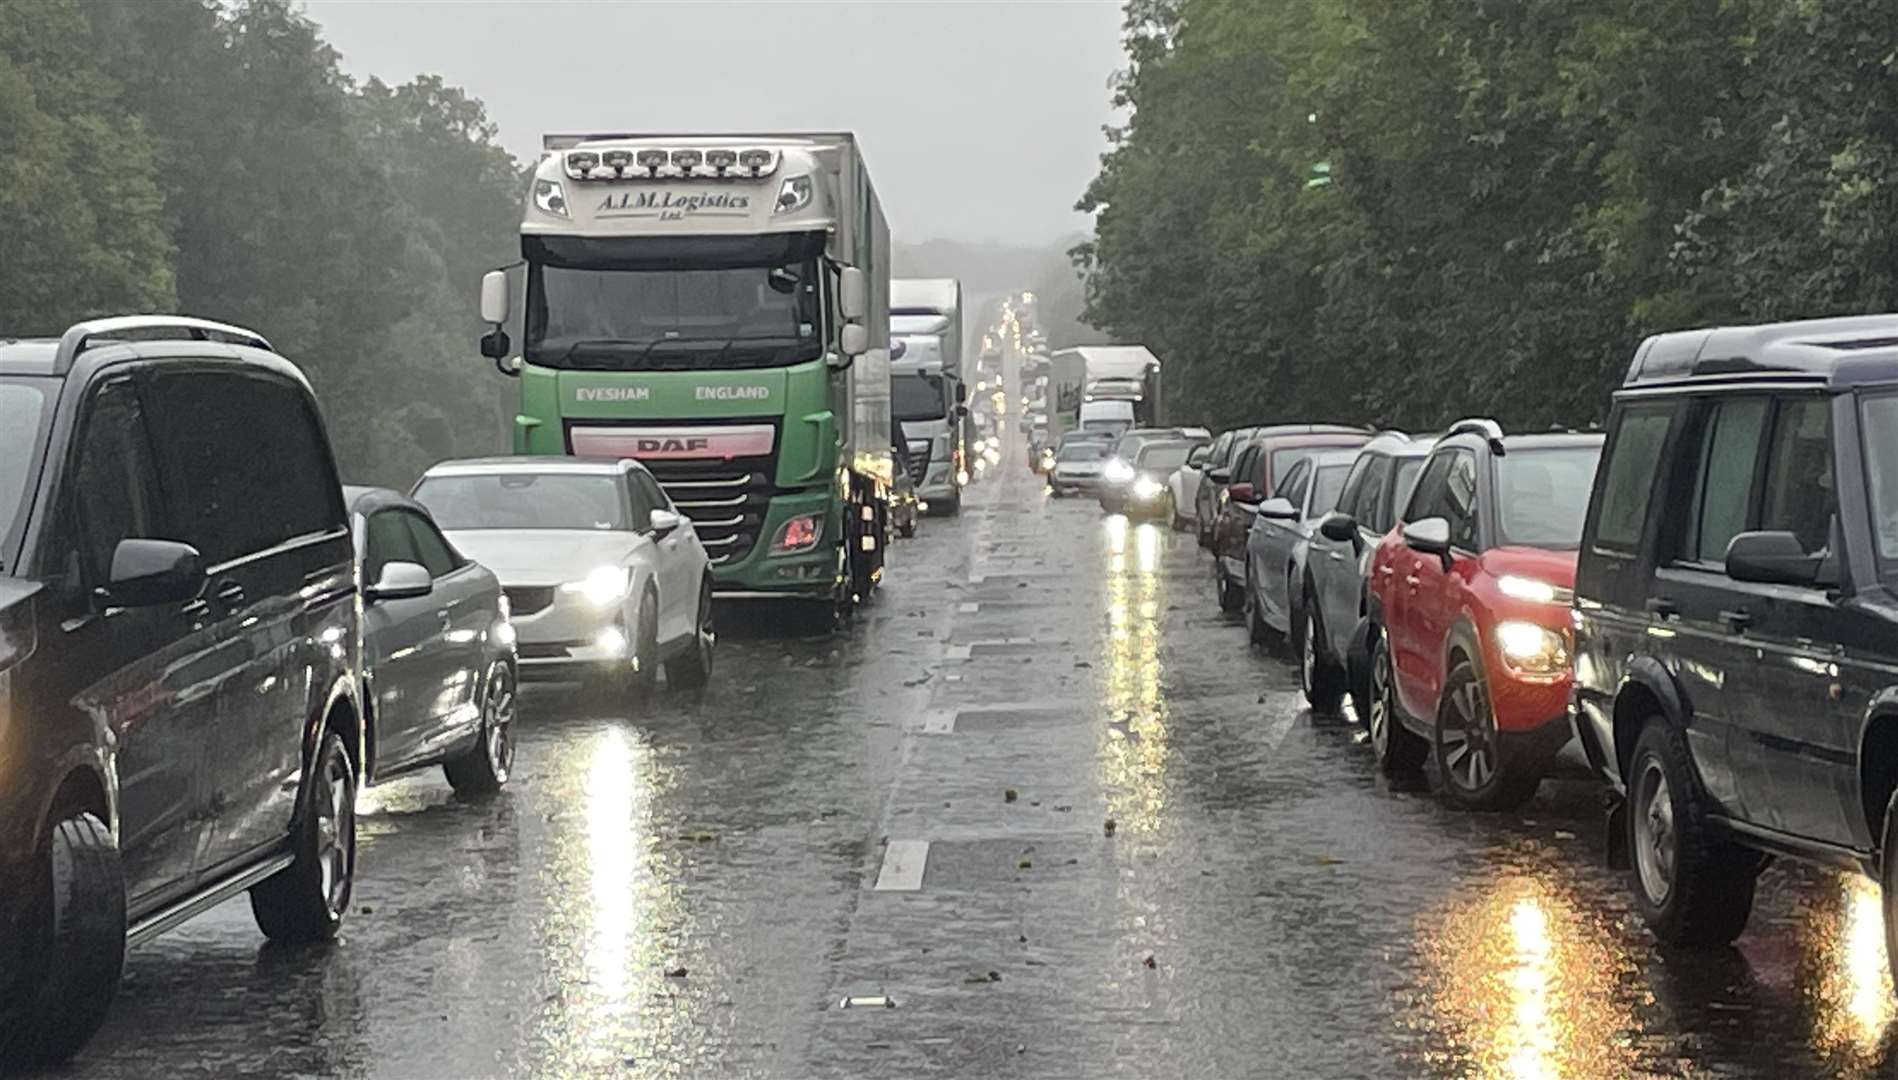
(230, 594)
(447, 619)
(1736, 620)
(1411, 580)
(1662, 607)
(1385, 571)
(1335, 556)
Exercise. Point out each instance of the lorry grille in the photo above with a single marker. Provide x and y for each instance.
(918, 462)
(726, 500)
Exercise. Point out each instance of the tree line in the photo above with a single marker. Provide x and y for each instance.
(1404, 211)
(212, 158)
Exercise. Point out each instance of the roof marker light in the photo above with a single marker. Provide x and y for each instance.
(582, 162)
(687, 160)
(651, 160)
(721, 159)
(756, 160)
(618, 160)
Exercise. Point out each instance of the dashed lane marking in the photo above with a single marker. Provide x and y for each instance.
(969, 608)
(903, 862)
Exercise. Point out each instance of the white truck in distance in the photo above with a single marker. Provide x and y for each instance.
(927, 394)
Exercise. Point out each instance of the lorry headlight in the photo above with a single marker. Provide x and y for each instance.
(1529, 649)
(603, 587)
(551, 198)
(793, 194)
(798, 534)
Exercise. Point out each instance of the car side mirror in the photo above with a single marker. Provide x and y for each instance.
(1241, 492)
(1431, 536)
(854, 340)
(1338, 526)
(1278, 509)
(1219, 476)
(400, 581)
(1772, 558)
(897, 348)
(149, 572)
(663, 522)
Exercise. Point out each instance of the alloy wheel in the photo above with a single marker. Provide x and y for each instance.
(1468, 738)
(1380, 719)
(1654, 836)
(1307, 656)
(499, 724)
(335, 832)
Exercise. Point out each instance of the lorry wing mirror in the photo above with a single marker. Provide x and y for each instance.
(962, 394)
(854, 340)
(494, 297)
(962, 411)
(495, 344)
(853, 293)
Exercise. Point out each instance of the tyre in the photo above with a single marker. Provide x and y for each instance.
(1322, 679)
(66, 972)
(1888, 883)
(1400, 752)
(1478, 771)
(1692, 886)
(645, 666)
(1256, 630)
(305, 901)
(907, 530)
(952, 507)
(693, 668)
(484, 768)
(1231, 598)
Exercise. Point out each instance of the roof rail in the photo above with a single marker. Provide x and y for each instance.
(1490, 430)
(80, 336)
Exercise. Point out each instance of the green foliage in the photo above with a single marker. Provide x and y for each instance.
(79, 209)
(1509, 194)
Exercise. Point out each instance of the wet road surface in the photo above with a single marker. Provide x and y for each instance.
(1043, 798)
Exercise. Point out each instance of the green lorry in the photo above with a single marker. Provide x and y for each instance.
(718, 308)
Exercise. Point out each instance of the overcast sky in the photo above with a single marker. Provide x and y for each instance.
(981, 118)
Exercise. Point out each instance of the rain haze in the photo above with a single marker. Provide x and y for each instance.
(982, 120)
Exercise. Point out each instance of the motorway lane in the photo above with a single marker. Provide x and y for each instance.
(692, 888)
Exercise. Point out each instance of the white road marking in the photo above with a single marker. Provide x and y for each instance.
(957, 652)
(903, 862)
(969, 608)
(940, 722)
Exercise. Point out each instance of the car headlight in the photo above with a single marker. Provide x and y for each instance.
(1529, 649)
(793, 194)
(603, 587)
(551, 198)
(1538, 592)
(1118, 471)
(1147, 488)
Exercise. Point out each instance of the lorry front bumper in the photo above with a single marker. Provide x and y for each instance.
(808, 574)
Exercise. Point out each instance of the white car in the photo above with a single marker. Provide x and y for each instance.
(603, 576)
(1184, 484)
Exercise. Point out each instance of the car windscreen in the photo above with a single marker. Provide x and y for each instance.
(23, 408)
(1330, 484)
(1880, 419)
(524, 500)
(915, 396)
(1542, 495)
(1163, 457)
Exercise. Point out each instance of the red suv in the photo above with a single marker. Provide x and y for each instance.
(1471, 635)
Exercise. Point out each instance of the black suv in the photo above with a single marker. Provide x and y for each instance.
(1736, 657)
(179, 642)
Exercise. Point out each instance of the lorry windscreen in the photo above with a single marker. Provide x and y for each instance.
(915, 396)
(607, 306)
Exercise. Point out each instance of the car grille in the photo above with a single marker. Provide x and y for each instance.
(528, 599)
(726, 500)
(531, 651)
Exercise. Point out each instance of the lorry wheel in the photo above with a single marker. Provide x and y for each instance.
(66, 970)
(951, 507)
(305, 901)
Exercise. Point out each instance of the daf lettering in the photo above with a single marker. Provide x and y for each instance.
(673, 446)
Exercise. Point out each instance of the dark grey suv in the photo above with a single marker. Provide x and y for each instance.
(179, 642)
(1736, 652)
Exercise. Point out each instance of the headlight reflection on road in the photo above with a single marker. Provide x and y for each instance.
(1136, 746)
(610, 843)
(1852, 998)
(1527, 986)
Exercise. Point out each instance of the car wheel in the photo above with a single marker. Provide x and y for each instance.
(485, 767)
(1477, 772)
(1231, 598)
(1256, 630)
(1691, 886)
(693, 669)
(1322, 680)
(645, 667)
(1888, 882)
(66, 971)
(1400, 752)
(1204, 531)
(305, 901)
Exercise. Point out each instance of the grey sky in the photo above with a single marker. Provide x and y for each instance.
(981, 118)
